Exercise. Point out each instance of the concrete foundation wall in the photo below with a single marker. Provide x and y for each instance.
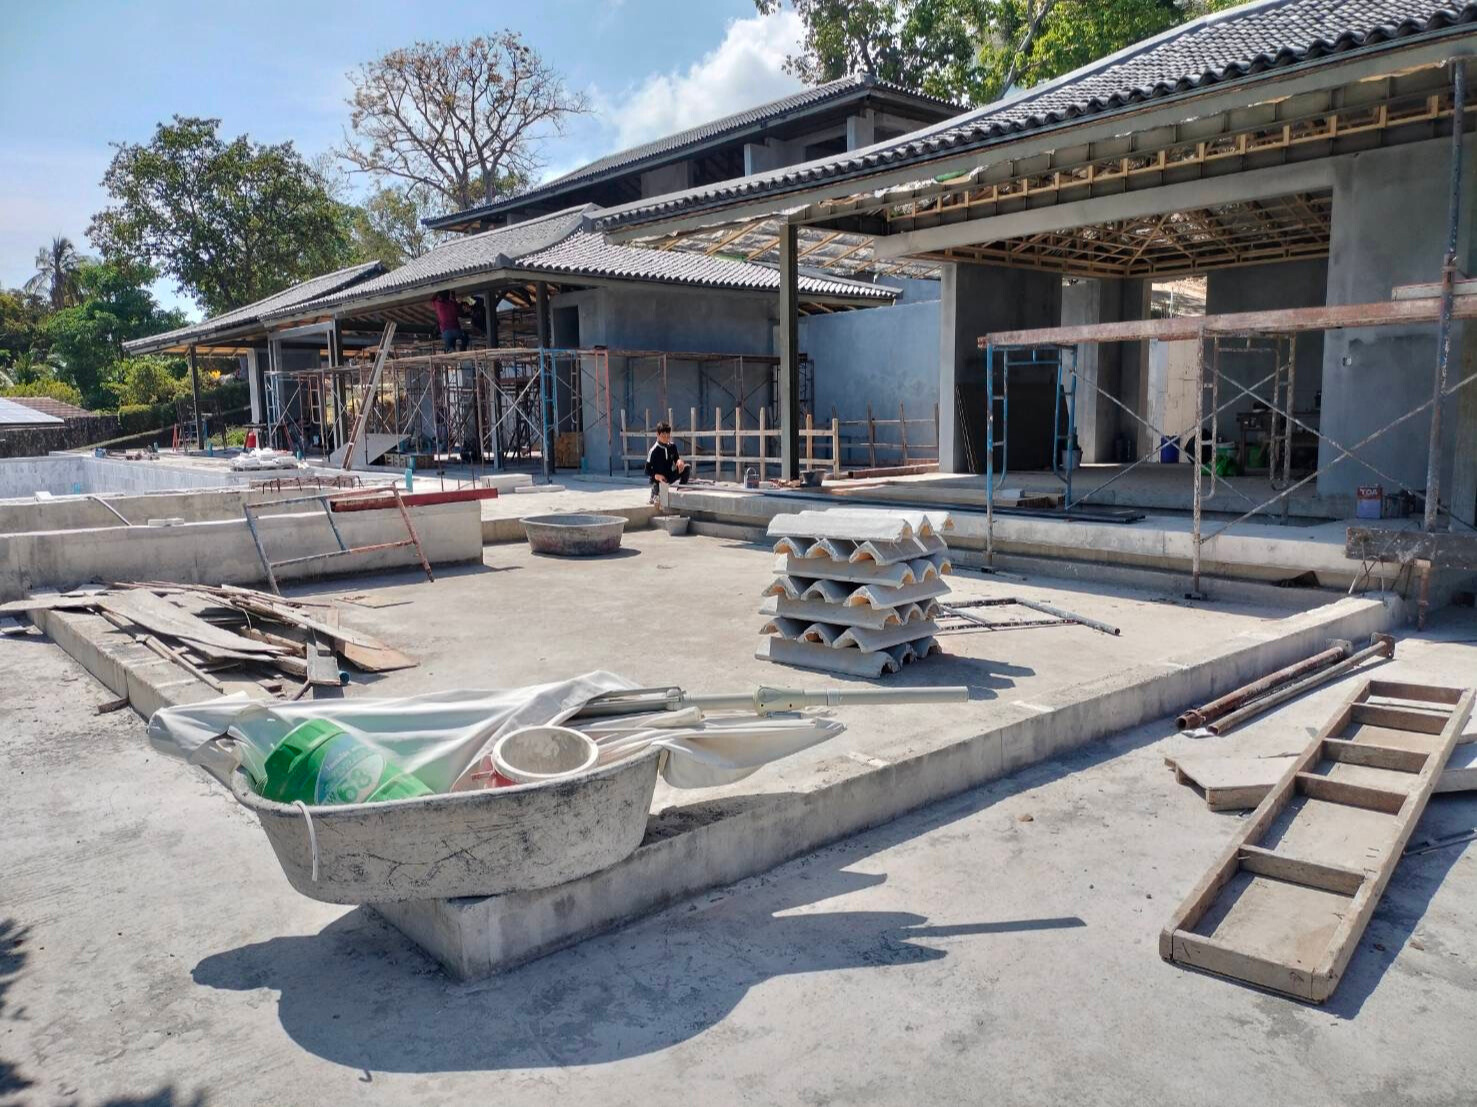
(1389, 228)
(223, 552)
(61, 475)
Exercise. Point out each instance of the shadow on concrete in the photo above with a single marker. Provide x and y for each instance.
(1404, 904)
(618, 555)
(12, 959)
(359, 994)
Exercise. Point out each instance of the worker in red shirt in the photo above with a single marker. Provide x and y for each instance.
(449, 319)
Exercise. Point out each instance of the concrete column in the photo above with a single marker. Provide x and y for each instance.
(668, 178)
(254, 386)
(759, 156)
(1389, 228)
(1464, 457)
(861, 129)
(789, 354)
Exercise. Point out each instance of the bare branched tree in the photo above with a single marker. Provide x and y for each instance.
(460, 120)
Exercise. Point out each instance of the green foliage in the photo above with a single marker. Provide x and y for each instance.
(235, 436)
(150, 380)
(387, 227)
(21, 316)
(57, 269)
(231, 221)
(55, 390)
(973, 51)
(87, 340)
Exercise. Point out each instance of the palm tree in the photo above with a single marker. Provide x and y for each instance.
(57, 268)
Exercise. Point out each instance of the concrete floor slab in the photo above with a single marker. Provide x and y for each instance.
(1005, 939)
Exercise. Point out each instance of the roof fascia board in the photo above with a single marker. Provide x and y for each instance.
(1253, 184)
(1432, 48)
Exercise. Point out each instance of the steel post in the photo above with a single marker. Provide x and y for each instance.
(1448, 282)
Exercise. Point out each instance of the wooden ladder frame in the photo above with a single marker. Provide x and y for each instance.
(1439, 720)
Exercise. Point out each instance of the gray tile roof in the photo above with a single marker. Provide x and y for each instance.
(1223, 47)
(665, 149)
(252, 313)
(563, 246)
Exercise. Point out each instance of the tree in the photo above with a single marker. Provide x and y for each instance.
(21, 316)
(56, 273)
(925, 45)
(149, 380)
(973, 51)
(387, 227)
(87, 339)
(232, 222)
(460, 120)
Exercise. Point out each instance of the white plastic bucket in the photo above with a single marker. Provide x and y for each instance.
(535, 754)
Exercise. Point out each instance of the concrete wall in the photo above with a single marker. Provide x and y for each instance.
(223, 551)
(1287, 284)
(1389, 228)
(656, 317)
(879, 356)
(975, 300)
(1114, 366)
(61, 475)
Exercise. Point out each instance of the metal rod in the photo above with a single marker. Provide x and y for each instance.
(1199, 716)
(1383, 647)
(94, 496)
(1448, 289)
(989, 454)
(1069, 616)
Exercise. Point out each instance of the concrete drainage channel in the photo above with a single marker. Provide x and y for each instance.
(679, 858)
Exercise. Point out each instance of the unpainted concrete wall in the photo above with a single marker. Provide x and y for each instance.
(60, 474)
(1389, 228)
(1288, 284)
(223, 551)
(975, 300)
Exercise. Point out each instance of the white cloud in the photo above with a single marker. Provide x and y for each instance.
(744, 70)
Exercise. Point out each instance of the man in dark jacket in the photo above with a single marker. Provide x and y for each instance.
(663, 464)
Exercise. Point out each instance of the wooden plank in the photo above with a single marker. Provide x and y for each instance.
(1351, 795)
(1299, 870)
(1376, 757)
(375, 659)
(1290, 917)
(322, 665)
(49, 603)
(1399, 718)
(1399, 690)
(162, 617)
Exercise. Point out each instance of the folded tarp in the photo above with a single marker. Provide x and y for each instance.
(445, 737)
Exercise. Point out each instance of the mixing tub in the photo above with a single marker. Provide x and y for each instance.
(481, 843)
(574, 535)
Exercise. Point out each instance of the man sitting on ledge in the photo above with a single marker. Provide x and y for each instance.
(663, 464)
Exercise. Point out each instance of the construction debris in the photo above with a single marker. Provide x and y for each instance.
(255, 637)
(856, 590)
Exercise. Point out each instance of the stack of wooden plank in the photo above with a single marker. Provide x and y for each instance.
(226, 634)
(856, 590)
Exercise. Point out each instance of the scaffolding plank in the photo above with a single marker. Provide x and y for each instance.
(1280, 908)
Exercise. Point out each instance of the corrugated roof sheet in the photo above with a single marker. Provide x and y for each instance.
(13, 414)
(251, 313)
(562, 245)
(1218, 48)
(663, 149)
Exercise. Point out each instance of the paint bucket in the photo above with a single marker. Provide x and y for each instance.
(537, 754)
(319, 762)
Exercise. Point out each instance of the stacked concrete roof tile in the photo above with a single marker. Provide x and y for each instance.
(856, 590)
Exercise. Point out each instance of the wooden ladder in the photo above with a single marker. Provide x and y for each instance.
(1285, 905)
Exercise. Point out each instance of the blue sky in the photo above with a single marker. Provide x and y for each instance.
(79, 75)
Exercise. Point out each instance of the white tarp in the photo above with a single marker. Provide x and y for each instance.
(444, 737)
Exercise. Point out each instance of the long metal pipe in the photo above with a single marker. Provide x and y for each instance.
(1383, 647)
(1448, 282)
(1199, 716)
